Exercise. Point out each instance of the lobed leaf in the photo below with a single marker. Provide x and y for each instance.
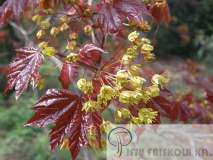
(64, 109)
(24, 70)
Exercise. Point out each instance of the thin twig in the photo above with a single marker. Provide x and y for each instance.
(22, 31)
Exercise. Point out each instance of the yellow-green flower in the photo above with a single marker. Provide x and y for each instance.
(160, 80)
(90, 106)
(133, 36)
(85, 86)
(72, 57)
(153, 91)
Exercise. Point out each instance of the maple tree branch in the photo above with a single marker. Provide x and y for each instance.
(56, 61)
(22, 31)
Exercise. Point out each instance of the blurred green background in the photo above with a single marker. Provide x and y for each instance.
(190, 35)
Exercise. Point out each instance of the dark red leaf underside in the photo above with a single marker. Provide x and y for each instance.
(68, 74)
(90, 55)
(64, 110)
(112, 15)
(161, 14)
(24, 70)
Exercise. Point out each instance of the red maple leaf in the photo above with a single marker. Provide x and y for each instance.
(68, 74)
(112, 15)
(23, 70)
(161, 13)
(64, 109)
(90, 55)
(12, 9)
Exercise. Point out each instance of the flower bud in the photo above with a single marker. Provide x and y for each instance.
(122, 77)
(148, 56)
(71, 46)
(54, 31)
(134, 70)
(147, 48)
(64, 27)
(49, 51)
(144, 26)
(160, 80)
(106, 126)
(132, 51)
(147, 115)
(72, 57)
(45, 24)
(85, 86)
(90, 106)
(130, 97)
(133, 36)
(42, 45)
(137, 82)
(122, 114)
(73, 36)
(88, 29)
(40, 34)
(145, 41)
(153, 91)
(107, 92)
(127, 59)
(37, 19)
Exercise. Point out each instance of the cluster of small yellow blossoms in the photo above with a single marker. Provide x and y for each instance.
(145, 116)
(46, 49)
(85, 86)
(107, 93)
(128, 87)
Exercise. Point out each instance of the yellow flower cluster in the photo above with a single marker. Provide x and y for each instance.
(85, 86)
(145, 116)
(72, 57)
(90, 106)
(107, 93)
(160, 80)
(45, 25)
(46, 49)
(122, 114)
